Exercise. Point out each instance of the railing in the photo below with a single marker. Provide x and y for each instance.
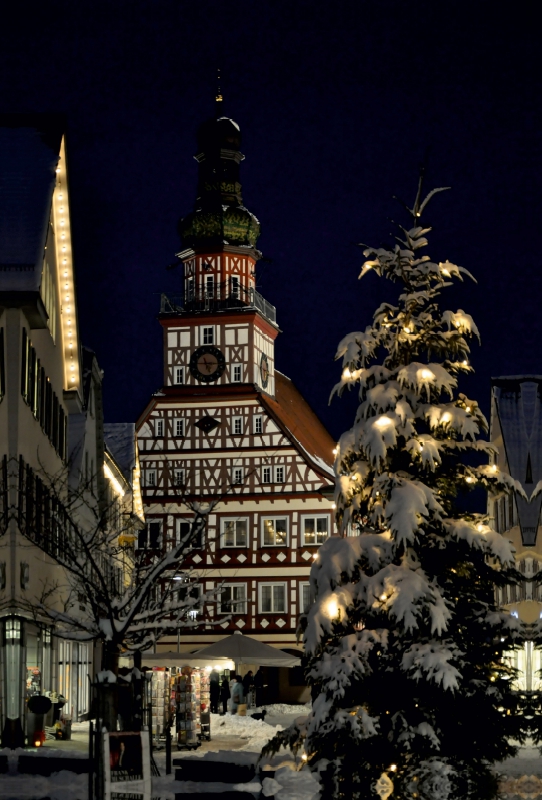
(222, 297)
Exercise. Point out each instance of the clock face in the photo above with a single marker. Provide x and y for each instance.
(207, 364)
(264, 370)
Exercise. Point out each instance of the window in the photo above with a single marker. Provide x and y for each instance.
(209, 287)
(237, 373)
(234, 286)
(189, 592)
(159, 427)
(315, 530)
(179, 427)
(151, 535)
(151, 477)
(178, 477)
(275, 531)
(190, 289)
(237, 425)
(179, 376)
(272, 598)
(208, 335)
(233, 599)
(237, 476)
(304, 597)
(279, 474)
(258, 424)
(266, 474)
(234, 532)
(184, 528)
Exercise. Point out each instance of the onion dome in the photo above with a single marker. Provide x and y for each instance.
(219, 216)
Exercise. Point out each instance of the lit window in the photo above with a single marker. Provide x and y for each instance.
(315, 529)
(237, 425)
(178, 477)
(237, 476)
(304, 597)
(237, 373)
(258, 424)
(151, 477)
(159, 427)
(272, 598)
(266, 474)
(279, 474)
(208, 335)
(179, 375)
(275, 531)
(233, 599)
(234, 532)
(179, 427)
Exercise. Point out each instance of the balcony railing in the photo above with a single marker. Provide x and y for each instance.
(220, 298)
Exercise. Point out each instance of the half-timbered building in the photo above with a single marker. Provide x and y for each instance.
(228, 425)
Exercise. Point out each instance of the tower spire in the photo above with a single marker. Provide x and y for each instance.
(219, 97)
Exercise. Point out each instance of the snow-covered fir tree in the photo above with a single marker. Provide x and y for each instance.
(404, 643)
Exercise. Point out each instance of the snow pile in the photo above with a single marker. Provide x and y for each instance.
(62, 785)
(290, 785)
(257, 733)
(275, 709)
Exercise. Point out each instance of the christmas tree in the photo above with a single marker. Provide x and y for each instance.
(404, 642)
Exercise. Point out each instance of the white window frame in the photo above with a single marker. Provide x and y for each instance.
(207, 334)
(237, 373)
(315, 517)
(209, 287)
(178, 476)
(160, 428)
(275, 517)
(150, 478)
(179, 376)
(190, 289)
(304, 586)
(244, 601)
(159, 522)
(261, 585)
(223, 523)
(237, 426)
(237, 476)
(267, 474)
(279, 473)
(179, 427)
(185, 521)
(235, 286)
(258, 424)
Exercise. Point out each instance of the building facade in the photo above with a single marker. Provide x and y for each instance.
(516, 429)
(227, 427)
(51, 427)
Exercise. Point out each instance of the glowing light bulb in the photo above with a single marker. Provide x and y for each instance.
(383, 422)
(406, 329)
(494, 468)
(445, 272)
(426, 374)
(332, 608)
(383, 597)
(446, 417)
(393, 767)
(347, 374)
(465, 363)
(304, 756)
(480, 527)
(335, 451)
(333, 506)
(469, 480)
(468, 409)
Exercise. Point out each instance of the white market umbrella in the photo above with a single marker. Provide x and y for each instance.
(246, 650)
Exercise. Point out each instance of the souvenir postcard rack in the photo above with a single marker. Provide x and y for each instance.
(185, 700)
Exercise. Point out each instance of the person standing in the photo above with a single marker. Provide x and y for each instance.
(258, 686)
(248, 683)
(225, 694)
(214, 690)
(237, 694)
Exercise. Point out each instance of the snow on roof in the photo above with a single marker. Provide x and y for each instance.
(292, 410)
(29, 152)
(120, 442)
(518, 401)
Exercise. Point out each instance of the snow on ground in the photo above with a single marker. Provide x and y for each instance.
(282, 708)
(255, 731)
(60, 786)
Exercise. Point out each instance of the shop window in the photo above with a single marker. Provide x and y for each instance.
(272, 598)
(233, 599)
(234, 532)
(275, 531)
(315, 530)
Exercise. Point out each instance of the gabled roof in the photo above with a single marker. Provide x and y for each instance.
(120, 443)
(518, 400)
(297, 419)
(29, 153)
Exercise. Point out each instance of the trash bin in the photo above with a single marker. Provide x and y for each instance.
(38, 706)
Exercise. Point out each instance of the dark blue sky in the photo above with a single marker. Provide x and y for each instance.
(337, 102)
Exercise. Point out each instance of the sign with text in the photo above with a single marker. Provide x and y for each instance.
(127, 761)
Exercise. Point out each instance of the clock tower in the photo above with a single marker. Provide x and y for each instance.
(228, 429)
(221, 331)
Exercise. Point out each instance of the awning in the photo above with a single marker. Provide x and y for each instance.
(174, 659)
(246, 650)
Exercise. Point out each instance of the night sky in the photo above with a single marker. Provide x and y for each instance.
(338, 104)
